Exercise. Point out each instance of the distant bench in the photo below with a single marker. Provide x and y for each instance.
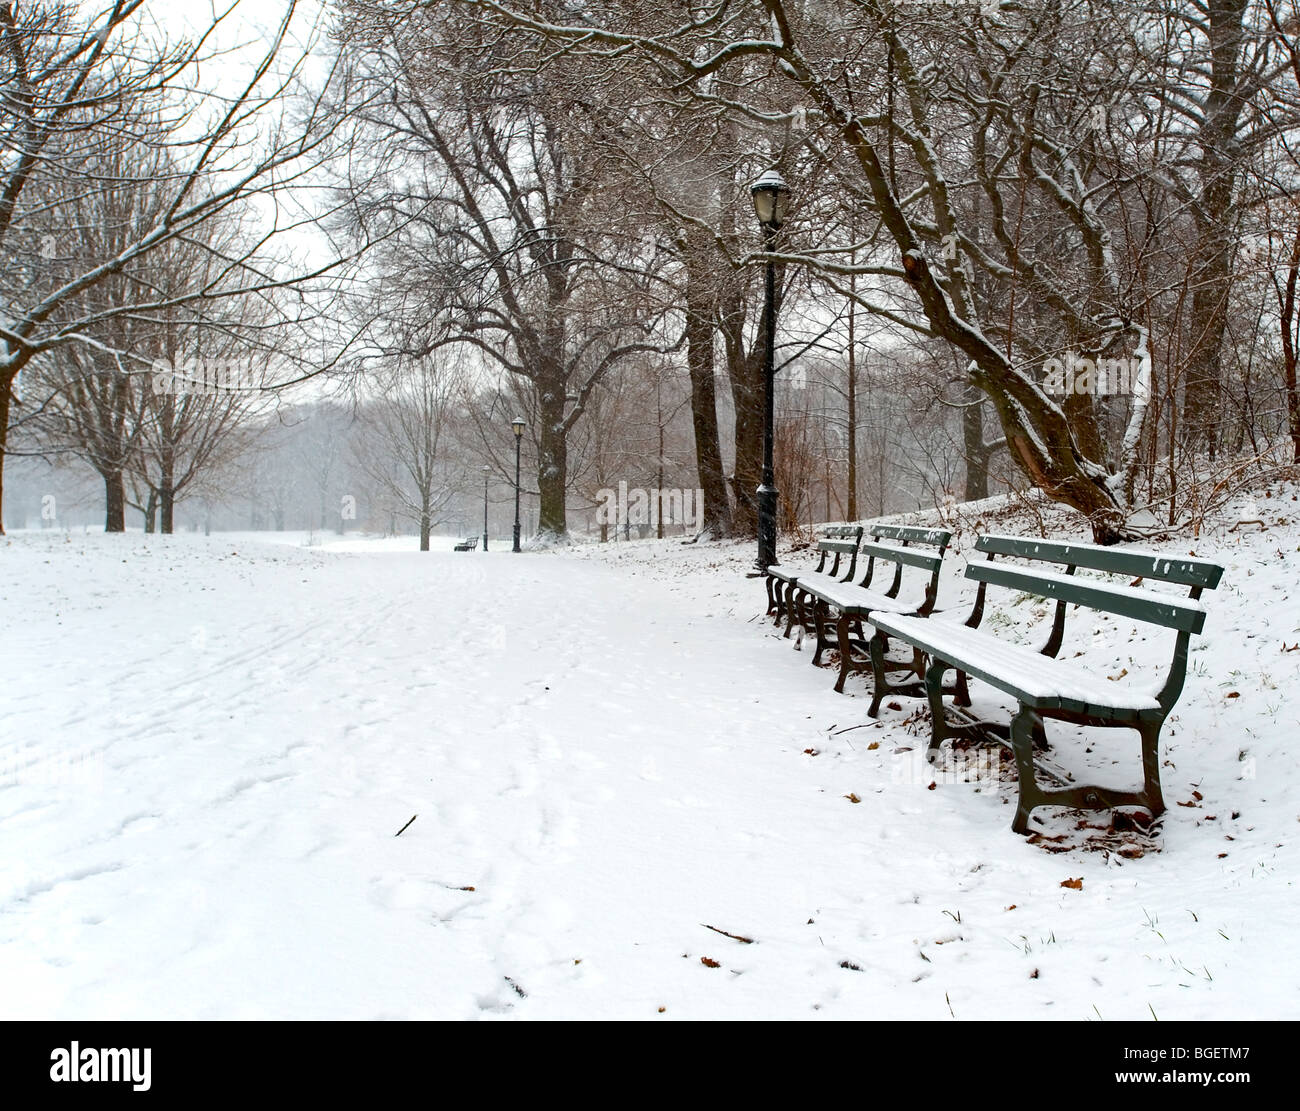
(469, 544)
(1042, 685)
(838, 542)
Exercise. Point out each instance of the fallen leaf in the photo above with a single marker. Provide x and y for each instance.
(893, 705)
(1073, 885)
(662, 1009)
(932, 786)
(873, 745)
(708, 963)
(852, 797)
(1122, 672)
(810, 752)
(1012, 907)
(850, 966)
(1233, 694)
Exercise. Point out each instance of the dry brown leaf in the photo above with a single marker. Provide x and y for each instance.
(852, 797)
(1074, 884)
(708, 963)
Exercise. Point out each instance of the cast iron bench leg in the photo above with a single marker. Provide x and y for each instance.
(846, 664)
(934, 692)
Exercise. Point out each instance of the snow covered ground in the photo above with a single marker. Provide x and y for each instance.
(208, 746)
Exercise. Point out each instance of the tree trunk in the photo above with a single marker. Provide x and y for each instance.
(746, 373)
(425, 527)
(115, 501)
(552, 455)
(977, 457)
(1287, 326)
(700, 319)
(167, 497)
(851, 435)
(1215, 218)
(151, 512)
(6, 387)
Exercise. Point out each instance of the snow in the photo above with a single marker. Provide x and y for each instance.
(209, 745)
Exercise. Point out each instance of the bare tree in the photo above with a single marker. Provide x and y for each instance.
(402, 445)
(81, 84)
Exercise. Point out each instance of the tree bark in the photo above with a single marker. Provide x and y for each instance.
(1214, 214)
(151, 512)
(552, 454)
(115, 501)
(6, 396)
(700, 318)
(977, 457)
(851, 435)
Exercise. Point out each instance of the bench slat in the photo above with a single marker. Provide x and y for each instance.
(1119, 561)
(933, 536)
(910, 556)
(1036, 680)
(1185, 615)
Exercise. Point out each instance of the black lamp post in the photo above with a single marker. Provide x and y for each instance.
(769, 193)
(518, 425)
(486, 471)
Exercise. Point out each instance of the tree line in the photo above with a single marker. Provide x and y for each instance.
(999, 212)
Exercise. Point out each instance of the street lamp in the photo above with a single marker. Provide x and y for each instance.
(518, 425)
(486, 471)
(769, 193)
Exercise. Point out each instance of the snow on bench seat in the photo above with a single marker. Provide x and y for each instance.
(1036, 680)
(850, 598)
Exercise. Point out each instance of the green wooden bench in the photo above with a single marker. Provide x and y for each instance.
(838, 542)
(1042, 685)
(833, 611)
(469, 544)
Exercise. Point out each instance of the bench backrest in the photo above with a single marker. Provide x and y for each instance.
(1199, 574)
(904, 546)
(840, 541)
(1186, 615)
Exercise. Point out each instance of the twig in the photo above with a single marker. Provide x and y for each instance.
(403, 829)
(734, 937)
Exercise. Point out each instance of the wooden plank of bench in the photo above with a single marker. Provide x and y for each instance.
(1184, 614)
(928, 561)
(1122, 561)
(1019, 670)
(912, 535)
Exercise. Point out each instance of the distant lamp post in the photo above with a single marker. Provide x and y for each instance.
(769, 193)
(518, 425)
(486, 472)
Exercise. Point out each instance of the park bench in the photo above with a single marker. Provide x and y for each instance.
(469, 544)
(833, 611)
(839, 541)
(1046, 687)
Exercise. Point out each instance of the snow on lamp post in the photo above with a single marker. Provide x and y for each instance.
(518, 425)
(769, 193)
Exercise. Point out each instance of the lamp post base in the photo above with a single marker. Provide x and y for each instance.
(767, 500)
